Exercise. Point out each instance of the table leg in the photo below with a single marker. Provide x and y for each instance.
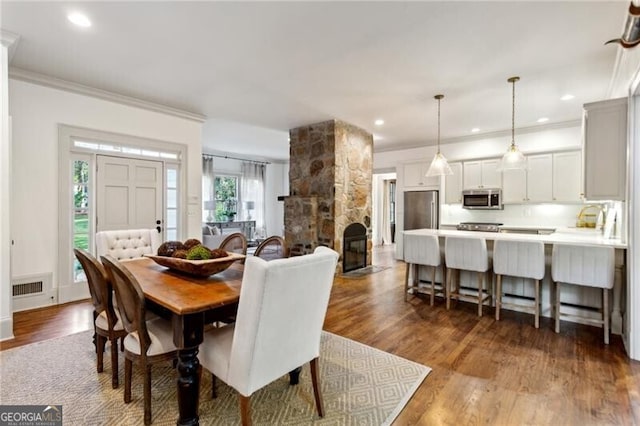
(187, 335)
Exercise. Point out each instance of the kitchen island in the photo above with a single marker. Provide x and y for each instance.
(515, 287)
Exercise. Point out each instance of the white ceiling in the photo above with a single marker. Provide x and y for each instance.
(257, 69)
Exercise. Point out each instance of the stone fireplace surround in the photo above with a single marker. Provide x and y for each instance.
(330, 179)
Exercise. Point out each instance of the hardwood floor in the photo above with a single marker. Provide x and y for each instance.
(484, 371)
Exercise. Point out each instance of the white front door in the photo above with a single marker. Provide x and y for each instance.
(129, 194)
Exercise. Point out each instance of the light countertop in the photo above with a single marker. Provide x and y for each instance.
(560, 236)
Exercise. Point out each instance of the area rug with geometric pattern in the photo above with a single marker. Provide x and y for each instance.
(360, 385)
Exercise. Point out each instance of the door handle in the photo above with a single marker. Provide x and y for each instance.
(159, 229)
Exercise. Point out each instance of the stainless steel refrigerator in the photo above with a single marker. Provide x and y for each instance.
(421, 210)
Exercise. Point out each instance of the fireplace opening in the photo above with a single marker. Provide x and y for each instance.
(354, 245)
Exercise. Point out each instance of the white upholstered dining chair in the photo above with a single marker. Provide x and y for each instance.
(281, 310)
(127, 243)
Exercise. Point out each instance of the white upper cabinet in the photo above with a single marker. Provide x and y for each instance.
(482, 174)
(539, 178)
(551, 177)
(453, 185)
(605, 149)
(534, 185)
(415, 176)
(514, 186)
(567, 177)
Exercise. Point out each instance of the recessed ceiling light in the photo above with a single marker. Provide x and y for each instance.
(542, 119)
(567, 97)
(475, 130)
(379, 122)
(79, 19)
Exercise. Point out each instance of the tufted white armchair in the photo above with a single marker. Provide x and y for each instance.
(280, 315)
(128, 243)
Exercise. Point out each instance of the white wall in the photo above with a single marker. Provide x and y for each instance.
(633, 254)
(6, 318)
(36, 112)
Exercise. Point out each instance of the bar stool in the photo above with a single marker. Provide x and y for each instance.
(585, 266)
(421, 250)
(518, 259)
(469, 254)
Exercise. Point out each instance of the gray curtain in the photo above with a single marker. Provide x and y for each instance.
(208, 192)
(252, 193)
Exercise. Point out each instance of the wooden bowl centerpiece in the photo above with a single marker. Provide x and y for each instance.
(200, 268)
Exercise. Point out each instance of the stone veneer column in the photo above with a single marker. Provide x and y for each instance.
(331, 161)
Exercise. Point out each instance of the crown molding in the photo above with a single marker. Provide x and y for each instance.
(57, 83)
(10, 41)
(488, 135)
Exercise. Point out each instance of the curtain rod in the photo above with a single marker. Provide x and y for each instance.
(235, 158)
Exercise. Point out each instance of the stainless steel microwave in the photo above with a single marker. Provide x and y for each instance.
(482, 199)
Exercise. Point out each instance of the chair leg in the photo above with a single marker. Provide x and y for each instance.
(480, 282)
(128, 366)
(605, 314)
(213, 386)
(101, 341)
(95, 333)
(537, 307)
(498, 295)
(114, 363)
(147, 395)
(433, 284)
(316, 386)
(557, 307)
(489, 280)
(406, 282)
(245, 410)
(447, 290)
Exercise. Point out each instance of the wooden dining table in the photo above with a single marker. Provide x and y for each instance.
(190, 303)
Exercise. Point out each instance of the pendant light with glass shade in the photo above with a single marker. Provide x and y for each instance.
(514, 159)
(439, 166)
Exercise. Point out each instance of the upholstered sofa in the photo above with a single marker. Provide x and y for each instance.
(213, 236)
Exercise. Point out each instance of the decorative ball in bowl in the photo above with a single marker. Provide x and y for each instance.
(199, 268)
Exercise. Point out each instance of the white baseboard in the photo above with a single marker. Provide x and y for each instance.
(6, 328)
(71, 293)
